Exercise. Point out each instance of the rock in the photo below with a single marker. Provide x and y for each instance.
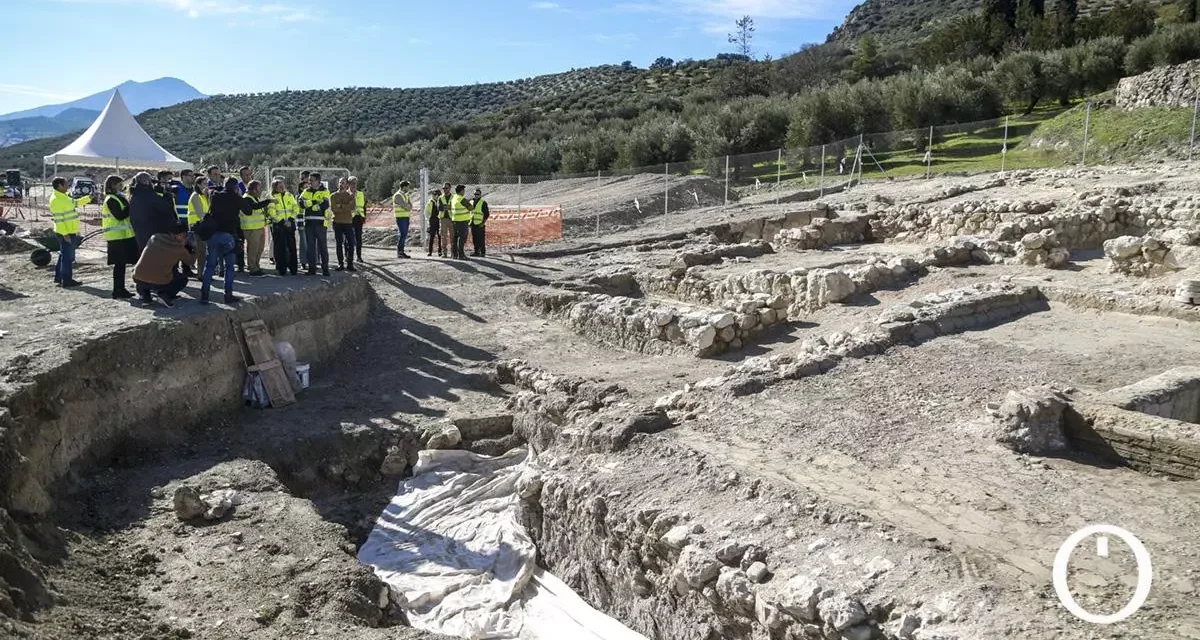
(841, 611)
(697, 566)
(724, 320)
(445, 437)
(188, 504)
(799, 598)
(1123, 248)
(907, 625)
(394, 463)
(736, 591)
(702, 337)
(529, 484)
(1033, 241)
(678, 537)
(879, 566)
(827, 286)
(757, 572)
(219, 503)
(858, 632)
(761, 520)
(769, 615)
(727, 334)
(818, 544)
(1031, 421)
(663, 316)
(731, 553)
(1058, 257)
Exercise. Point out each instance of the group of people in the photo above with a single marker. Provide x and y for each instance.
(166, 227)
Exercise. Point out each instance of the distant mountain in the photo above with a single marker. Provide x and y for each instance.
(22, 129)
(139, 97)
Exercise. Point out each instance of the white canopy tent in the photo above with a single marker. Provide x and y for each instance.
(116, 140)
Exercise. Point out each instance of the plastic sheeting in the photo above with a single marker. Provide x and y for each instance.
(453, 550)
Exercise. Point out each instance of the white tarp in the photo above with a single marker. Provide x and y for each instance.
(452, 548)
(116, 139)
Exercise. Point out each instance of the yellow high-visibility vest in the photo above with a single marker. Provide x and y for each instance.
(256, 219)
(311, 201)
(114, 229)
(402, 205)
(196, 213)
(284, 208)
(63, 211)
(360, 204)
(459, 211)
(477, 212)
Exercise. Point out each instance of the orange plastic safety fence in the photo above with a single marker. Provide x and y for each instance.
(507, 225)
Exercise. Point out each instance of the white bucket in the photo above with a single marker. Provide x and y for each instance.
(302, 373)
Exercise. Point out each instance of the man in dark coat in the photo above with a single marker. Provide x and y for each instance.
(150, 214)
(149, 211)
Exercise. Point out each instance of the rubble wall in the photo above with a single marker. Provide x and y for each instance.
(1171, 86)
(150, 383)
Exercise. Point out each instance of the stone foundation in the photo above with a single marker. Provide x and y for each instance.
(1173, 394)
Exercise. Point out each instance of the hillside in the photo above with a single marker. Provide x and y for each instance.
(139, 97)
(909, 20)
(22, 129)
(260, 122)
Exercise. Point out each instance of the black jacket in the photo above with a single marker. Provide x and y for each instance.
(150, 213)
(226, 207)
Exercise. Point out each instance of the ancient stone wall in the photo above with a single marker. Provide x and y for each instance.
(1172, 394)
(1155, 253)
(1148, 443)
(845, 228)
(650, 327)
(1171, 86)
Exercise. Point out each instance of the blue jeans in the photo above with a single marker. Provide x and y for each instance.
(401, 234)
(220, 249)
(63, 269)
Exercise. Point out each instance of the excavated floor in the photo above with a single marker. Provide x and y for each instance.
(877, 476)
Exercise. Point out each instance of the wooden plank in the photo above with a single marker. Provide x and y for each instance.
(266, 363)
(258, 341)
(279, 388)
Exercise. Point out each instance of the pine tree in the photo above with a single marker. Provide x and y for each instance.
(1001, 10)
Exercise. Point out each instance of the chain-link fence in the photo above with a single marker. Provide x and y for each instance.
(531, 209)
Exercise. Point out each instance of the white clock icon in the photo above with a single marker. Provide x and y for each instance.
(1102, 531)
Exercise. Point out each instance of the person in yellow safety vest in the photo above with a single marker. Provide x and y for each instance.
(360, 213)
(433, 210)
(282, 214)
(253, 226)
(479, 217)
(402, 207)
(118, 234)
(314, 203)
(460, 217)
(197, 208)
(446, 227)
(64, 211)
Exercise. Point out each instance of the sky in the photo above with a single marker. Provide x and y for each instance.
(241, 46)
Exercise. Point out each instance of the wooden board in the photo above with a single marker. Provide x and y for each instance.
(262, 352)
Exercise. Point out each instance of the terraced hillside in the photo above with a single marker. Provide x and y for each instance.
(250, 121)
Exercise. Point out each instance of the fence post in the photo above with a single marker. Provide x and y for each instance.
(821, 186)
(1004, 149)
(1087, 124)
(929, 155)
(726, 181)
(778, 174)
(1195, 108)
(666, 187)
(520, 216)
(598, 180)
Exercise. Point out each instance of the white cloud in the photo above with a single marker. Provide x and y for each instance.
(36, 92)
(214, 8)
